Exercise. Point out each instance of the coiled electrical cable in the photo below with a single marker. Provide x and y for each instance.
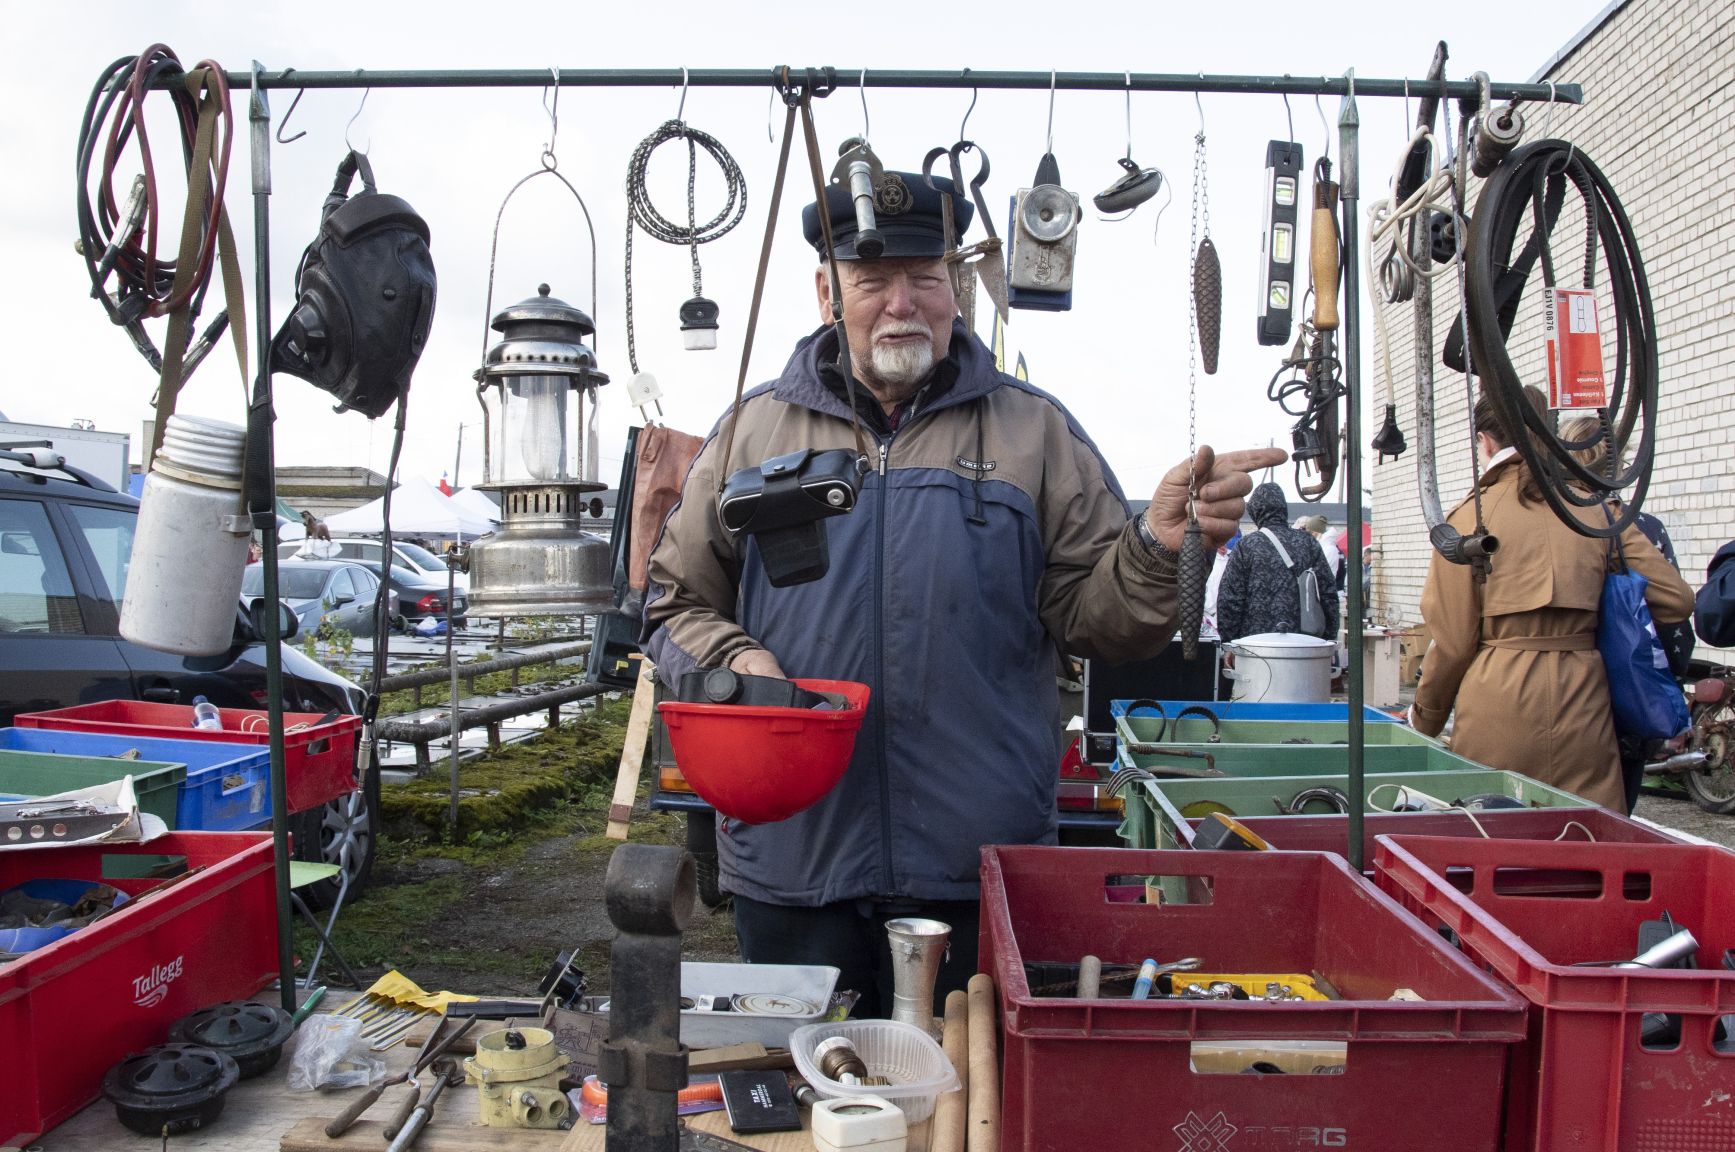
(642, 213)
(1530, 187)
(122, 241)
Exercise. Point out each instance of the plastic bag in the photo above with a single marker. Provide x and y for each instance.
(331, 1052)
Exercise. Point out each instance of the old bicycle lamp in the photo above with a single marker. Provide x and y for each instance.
(540, 562)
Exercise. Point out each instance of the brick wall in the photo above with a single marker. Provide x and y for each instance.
(1659, 101)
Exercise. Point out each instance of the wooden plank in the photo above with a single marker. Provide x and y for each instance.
(626, 783)
(442, 1135)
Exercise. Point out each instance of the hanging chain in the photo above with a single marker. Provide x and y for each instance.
(1201, 210)
(643, 214)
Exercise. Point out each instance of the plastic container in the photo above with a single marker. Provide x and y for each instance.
(916, 1066)
(813, 983)
(319, 754)
(1331, 833)
(227, 789)
(205, 715)
(1287, 759)
(70, 1010)
(1267, 710)
(190, 545)
(31, 774)
(1421, 1076)
(1585, 1082)
(28, 939)
(760, 765)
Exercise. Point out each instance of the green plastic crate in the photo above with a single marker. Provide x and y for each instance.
(1286, 759)
(1154, 807)
(32, 774)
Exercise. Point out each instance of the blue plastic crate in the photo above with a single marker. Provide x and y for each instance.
(1267, 710)
(227, 789)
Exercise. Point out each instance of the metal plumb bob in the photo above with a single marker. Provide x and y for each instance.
(819, 81)
(540, 562)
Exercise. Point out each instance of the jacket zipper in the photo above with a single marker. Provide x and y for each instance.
(880, 669)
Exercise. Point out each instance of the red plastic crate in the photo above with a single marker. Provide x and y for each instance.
(1584, 1082)
(72, 1009)
(319, 759)
(1330, 833)
(1118, 1074)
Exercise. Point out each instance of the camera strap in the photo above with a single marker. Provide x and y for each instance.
(795, 96)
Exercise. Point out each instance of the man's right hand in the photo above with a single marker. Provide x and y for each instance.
(757, 662)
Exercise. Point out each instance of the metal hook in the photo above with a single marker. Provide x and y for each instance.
(681, 108)
(1129, 76)
(862, 85)
(1406, 104)
(1289, 116)
(1325, 125)
(1051, 81)
(549, 160)
(770, 103)
(363, 151)
(1200, 106)
(284, 123)
(963, 134)
(1548, 118)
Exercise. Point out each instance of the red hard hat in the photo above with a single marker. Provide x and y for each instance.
(761, 765)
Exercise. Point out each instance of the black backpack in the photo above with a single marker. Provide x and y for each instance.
(364, 297)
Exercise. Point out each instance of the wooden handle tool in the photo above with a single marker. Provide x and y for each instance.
(1323, 255)
(951, 1113)
(984, 1125)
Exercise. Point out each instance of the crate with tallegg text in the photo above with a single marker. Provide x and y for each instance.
(1617, 1059)
(1152, 1063)
(71, 1009)
(318, 751)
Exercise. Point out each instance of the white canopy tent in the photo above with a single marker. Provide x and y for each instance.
(419, 509)
(475, 503)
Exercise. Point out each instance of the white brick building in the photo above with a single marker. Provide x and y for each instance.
(1659, 85)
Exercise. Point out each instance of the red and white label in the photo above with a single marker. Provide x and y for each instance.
(1575, 374)
(152, 988)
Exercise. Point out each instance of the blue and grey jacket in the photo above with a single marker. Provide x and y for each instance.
(988, 533)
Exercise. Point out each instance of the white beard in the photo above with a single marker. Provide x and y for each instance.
(900, 365)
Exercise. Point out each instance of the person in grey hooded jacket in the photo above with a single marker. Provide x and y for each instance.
(1259, 592)
(988, 534)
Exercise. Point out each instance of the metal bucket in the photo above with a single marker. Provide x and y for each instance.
(1281, 666)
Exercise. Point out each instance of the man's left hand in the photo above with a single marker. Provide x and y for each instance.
(1222, 482)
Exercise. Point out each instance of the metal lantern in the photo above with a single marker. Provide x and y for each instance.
(539, 562)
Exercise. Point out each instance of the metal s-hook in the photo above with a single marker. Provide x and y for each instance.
(549, 160)
(862, 85)
(1289, 116)
(1199, 105)
(365, 92)
(1548, 117)
(1051, 82)
(1324, 124)
(681, 108)
(1129, 77)
(1406, 104)
(963, 126)
(284, 123)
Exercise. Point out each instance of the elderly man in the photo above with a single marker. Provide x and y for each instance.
(988, 535)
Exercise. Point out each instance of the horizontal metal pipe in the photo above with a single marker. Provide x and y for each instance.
(439, 727)
(482, 667)
(890, 78)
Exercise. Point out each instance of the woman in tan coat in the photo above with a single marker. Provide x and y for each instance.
(1516, 657)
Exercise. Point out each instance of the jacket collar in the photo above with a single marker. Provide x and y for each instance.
(811, 378)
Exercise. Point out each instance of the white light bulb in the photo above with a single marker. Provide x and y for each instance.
(542, 429)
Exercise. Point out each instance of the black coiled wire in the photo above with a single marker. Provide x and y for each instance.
(642, 213)
(1531, 186)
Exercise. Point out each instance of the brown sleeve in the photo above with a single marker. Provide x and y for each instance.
(1670, 598)
(1453, 612)
(1103, 594)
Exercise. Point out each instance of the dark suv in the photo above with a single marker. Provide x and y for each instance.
(65, 542)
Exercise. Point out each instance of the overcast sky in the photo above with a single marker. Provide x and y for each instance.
(1118, 359)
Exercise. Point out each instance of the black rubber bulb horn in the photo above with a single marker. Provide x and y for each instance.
(1389, 440)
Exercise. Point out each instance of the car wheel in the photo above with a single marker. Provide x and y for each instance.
(345, 832)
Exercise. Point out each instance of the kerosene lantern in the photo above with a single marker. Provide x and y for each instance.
(539, 562)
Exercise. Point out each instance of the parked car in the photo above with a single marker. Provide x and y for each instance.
(421, 597)
(405, 554)
(320, 590)
(66, 540)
